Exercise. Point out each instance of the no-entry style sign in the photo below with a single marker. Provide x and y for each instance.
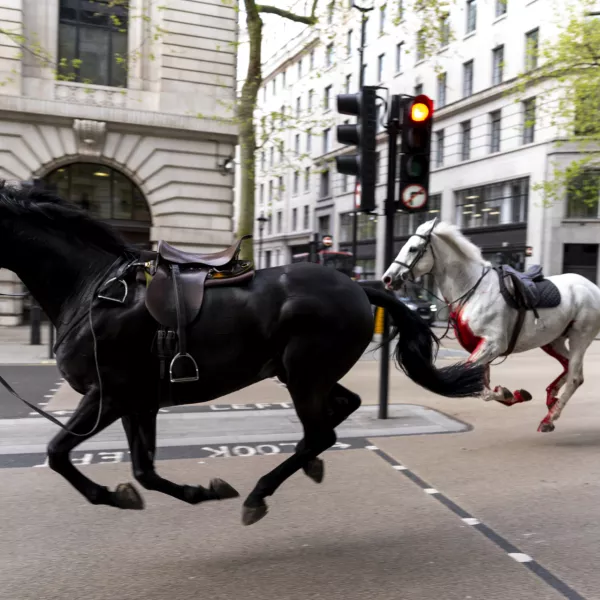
(414, 196)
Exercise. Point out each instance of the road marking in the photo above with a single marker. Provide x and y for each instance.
(372, 448)
(524, 559)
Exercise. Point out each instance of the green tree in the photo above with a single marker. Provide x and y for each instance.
(566, 68)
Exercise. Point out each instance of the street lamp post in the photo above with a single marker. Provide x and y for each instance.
(364, 6)
(261, 225)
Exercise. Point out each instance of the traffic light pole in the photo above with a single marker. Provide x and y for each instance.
(393, 129)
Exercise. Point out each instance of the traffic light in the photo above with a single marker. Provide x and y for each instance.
(363, 135)
(417, 120)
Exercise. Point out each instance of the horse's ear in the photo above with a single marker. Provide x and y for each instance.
(433, 224)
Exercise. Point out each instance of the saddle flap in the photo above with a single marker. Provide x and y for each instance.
(162, 303)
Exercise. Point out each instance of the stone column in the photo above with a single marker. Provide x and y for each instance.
(11, 310)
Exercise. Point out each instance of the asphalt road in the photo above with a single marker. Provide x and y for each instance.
(497, 512)
(32, 382)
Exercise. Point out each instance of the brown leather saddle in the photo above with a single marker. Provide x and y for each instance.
(176, 281)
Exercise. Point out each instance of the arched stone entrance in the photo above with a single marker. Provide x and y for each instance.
(107, 194)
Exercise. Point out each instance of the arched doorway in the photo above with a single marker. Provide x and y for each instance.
(106, 194)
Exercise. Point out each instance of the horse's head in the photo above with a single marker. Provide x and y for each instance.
(414, 259)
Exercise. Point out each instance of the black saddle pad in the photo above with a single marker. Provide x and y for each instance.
(549, 294)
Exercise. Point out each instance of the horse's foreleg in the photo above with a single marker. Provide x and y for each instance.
(558, 350)
(485, 353)
(82, 422)
(141, 434)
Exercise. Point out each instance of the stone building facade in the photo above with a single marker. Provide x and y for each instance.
(137, 125)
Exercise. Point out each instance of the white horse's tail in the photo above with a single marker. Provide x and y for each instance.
(414, 352)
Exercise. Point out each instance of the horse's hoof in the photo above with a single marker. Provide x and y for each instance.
(315, 469)
(546, 427)
(253, 514)
(127, 497)
(222, 490)
(522, 396)
(506, 393)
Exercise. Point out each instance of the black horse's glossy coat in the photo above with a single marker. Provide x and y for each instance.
(303, 323)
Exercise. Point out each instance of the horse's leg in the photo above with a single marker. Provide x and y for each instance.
(141, 434)
(578, 344)
(487, 351)
(558, 350)
(84, 419)
(342, 403)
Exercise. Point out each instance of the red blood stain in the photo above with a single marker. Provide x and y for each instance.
(466, 338)
(551, 390)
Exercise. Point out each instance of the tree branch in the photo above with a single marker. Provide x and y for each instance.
(286, 14)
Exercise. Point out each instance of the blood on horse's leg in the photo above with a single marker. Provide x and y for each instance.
(559, 351)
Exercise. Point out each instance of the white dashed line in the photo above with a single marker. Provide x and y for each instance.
(430, 491)
(399, 467)
(519, 557)
(371, 447)
(471, 521)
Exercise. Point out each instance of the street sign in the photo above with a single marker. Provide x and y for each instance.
(414, 196)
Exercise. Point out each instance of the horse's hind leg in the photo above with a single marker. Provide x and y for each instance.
(578, 344)
(82, 422)
(558, 350)
(341, 404)
(141, 434)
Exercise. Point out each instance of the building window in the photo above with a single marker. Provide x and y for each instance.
(298, 106)
(92, 42)
(283, 79)
(297, 143)
(327, 98)
(306, 179)
(274, 84)
(279, 221)
(529, 121)
(349, 42)
(300, 69)
(324, 190)
(471, 15)
(270, 191)
(468, 79)
(281, 151)
(261, 195)
(294, 219)
(497, 65)
(311, 95)
(501, 6)
(348, 84)
(326, 133)
(465, 140)
(271, 156)
(308, 142)
(382, 19)
(366, 227)
(439, 148)
(400, 9)
(583, 195)
(495, 128)
(532, 49)
(405, 223)
(441, 91)
(380, 59)
(306, 218)
(296, 182)
(364, 73)
(269, 232)
(418, 90)
(329, 56)
(421, 45)
(581, 259)
(262, 160)
(330, 13)
(103, 192)
(493, 205)
(312, 60)
(324, 226)
(399, 57)
(344, 183)
(444, 30)
(280, 188)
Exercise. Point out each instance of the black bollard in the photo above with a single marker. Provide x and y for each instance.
(36, 323)
(50, 340)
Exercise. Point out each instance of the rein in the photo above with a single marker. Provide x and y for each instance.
(101, 281)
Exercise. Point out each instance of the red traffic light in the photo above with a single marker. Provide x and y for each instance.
(421, 109)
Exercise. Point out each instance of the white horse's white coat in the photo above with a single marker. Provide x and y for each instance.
(485, 322)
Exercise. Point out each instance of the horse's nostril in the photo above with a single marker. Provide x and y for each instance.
(387, 279)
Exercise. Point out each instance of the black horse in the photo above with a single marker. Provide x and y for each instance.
(303, 323)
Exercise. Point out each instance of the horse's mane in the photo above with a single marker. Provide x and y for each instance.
(52, 213)
(453, 236)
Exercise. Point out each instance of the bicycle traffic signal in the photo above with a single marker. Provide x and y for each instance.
(363, 135)
(417, 121)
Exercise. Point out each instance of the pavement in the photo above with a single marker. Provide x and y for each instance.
(481, 507)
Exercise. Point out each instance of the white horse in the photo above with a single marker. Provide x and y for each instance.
(487, 326)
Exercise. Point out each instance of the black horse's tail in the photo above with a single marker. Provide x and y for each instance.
(414, 352)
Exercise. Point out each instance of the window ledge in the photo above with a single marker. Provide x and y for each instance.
(470, 34)
(582, 220)
(500, 18)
